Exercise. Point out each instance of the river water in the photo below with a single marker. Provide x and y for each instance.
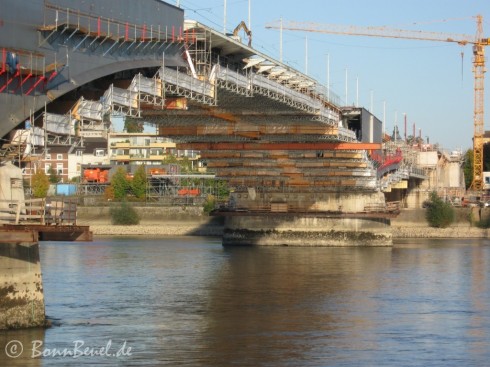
(190, 302)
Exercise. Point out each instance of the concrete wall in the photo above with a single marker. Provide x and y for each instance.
(345, 202)
(21, 288)
(454, 175)
(416, 217)
(10, 183)
(150, 215)
(288, 230)
(415, 199)
(372, 127)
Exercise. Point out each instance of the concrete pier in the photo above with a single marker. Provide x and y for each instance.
(303, 230)
(21, 286)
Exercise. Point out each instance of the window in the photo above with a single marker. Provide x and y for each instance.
(99, 152)
(157, 151)
(48, 157)
(59, 168)
(16, 183)
(79, 153)
(59, 156)
(47, 167)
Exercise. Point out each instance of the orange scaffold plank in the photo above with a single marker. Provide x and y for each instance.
(280, 146)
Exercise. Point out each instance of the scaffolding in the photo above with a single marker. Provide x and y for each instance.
(150, 90)
(182, 189)
(182, 84)
(88, 32)
(123, 102)
(199, 52)
(295, 117)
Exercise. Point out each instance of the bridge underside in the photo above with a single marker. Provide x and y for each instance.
(273, 133)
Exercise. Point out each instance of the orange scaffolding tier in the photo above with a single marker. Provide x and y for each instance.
(280, 146)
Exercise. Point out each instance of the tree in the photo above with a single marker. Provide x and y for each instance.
(53, 176)
(40, 184)
(132, 125)
(486, 157)
(185, 165)
(138, 184)
(109, 193)
(439, 213)
(120, 184)
(468, 168)
(209, 204)
(170, 159)
(222, 189)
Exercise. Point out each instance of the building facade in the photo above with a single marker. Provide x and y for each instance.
(143, 148)
(93, 151)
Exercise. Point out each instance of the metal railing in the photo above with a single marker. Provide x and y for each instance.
(58, 211)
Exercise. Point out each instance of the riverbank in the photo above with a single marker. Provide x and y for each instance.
(175, 229)
(411, 223)
(162, 229)
(191, 221)
(428, 232)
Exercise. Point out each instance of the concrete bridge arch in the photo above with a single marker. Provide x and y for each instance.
(58, 48)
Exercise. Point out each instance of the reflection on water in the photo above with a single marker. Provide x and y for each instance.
(189, 301)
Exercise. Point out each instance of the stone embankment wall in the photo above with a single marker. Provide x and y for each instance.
(155, 221)
(179, 221)
(411, 223)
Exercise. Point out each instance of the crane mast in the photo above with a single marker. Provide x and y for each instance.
(478, 42)
(478, 112)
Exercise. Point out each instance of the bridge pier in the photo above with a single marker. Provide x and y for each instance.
(284, 229)
(21, 287)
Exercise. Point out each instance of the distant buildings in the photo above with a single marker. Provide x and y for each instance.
(117, 149)
(143, 148)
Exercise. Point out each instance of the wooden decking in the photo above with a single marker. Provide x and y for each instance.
(18, 232)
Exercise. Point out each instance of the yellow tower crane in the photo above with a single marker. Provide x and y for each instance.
(478, 42)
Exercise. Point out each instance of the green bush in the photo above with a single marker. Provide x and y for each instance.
(484, 223)
(439, 214)
(124, 214)
(210, 204)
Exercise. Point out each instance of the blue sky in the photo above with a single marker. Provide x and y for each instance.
(430, 82)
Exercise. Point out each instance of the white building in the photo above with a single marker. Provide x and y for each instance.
(143, 148)
(94, 152)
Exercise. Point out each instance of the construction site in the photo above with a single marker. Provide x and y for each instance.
(299, 164)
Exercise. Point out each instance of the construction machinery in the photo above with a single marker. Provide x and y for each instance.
(247, 31)
(478, 41)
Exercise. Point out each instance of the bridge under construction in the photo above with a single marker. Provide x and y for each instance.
(299, 163)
